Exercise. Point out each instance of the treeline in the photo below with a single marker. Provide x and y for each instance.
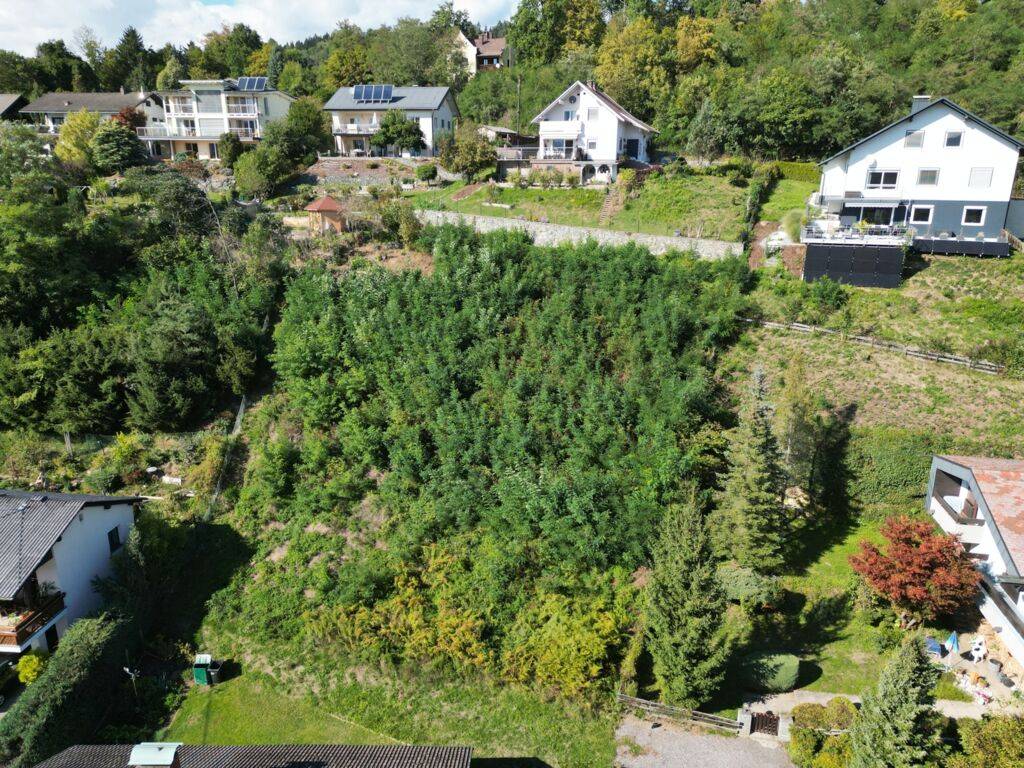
(488, 449)
(138, 304)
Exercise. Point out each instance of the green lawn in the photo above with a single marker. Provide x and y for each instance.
(705, 206)
(788, 195)
(949, 304)
(253, 709)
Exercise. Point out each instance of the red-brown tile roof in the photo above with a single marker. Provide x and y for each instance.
(489, 46)
(1001, 482)
(325, 203)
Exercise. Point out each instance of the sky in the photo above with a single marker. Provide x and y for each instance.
(26, 23)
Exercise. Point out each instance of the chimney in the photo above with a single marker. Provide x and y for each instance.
(155, 754)
(918, 103)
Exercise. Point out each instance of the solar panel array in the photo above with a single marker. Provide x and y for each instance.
(372, 94)
(252, 83)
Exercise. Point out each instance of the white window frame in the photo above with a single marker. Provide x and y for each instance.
(915, 208)
(908, 134)
(946, 143)
(925, 170)
(591, 144)
(991, 176)
(881, 184)
(593, 114)
(984, 215)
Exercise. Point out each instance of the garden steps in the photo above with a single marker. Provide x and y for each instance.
(612, 204)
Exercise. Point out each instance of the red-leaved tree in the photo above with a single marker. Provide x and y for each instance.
(130, 118)
(922, 572)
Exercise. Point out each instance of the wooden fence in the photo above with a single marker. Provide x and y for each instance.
(936, 357)
(679, 713)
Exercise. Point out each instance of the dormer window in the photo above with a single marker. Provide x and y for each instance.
(914, 140)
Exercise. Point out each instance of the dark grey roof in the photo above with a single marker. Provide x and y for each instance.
(31, 523)
(412, 97)
(9, 101)
(58, 102)
(967, 115)
(274, 756)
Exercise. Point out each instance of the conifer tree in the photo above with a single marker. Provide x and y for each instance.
(685, 610)
(753, 526)
(896, 726)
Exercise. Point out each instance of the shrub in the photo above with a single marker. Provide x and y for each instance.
(751, 590)
(836, 752)
(810, 715)
(31, 666)
(230, 148)
(115, 147)
(792, 221)
(627, 180)
(804, 744)
(769, 672)
(426, 172)
(841, 713)
(799, 171)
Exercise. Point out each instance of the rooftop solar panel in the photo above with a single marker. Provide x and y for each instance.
(243, 83)
(260, 84)
(357, 93)
(387, 92)
(378, 92)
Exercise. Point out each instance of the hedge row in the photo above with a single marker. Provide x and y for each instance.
(799, 171)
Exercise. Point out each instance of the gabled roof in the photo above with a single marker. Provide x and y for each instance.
(619, 111)
(969, 116)
(325, 203)
(31, 523)
(1001, 483)
(273, 756)
(61, 101)
(409, 97)
(489, 46)
(9, 101)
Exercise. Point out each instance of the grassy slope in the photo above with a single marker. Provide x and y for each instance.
(704, 205)
(953, 304)
(787, 196)
(902, 410)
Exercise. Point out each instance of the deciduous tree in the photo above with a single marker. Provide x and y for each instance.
(922, 572)
(632, 64)
(396, 130)
(993, 742)
(74, 143)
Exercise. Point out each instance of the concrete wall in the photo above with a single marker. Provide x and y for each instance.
(557, 234)
(1015, 218)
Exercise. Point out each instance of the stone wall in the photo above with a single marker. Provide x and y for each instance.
(557, 234)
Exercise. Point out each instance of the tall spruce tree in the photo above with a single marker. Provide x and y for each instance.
(896, 727)
(685, 610)
(752, 524)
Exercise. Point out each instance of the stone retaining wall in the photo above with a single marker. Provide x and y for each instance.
(557, 234)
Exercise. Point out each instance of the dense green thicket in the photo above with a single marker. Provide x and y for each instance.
(488, 450)
(123, 304)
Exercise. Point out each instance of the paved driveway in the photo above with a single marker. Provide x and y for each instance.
(673, 746)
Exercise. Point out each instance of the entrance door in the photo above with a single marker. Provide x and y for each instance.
(51, 639)
(633, 148)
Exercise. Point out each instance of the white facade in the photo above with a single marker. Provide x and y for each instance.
(467, 49)
(82, 553)
(354, 126)
(956, 502)
(585, 124)
(196, 116)
(940, 170)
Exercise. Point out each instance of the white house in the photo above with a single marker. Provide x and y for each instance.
(357, 111)
(586, 131)
(52, 546)
(940, 177)
(981, 500)
(198, 113)
(50, 110)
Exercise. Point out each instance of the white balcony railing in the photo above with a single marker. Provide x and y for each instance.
(357, 128)
(152, 132)
(180, 109)
(245, 133)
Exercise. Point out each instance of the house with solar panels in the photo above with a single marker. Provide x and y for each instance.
(357, 112)
(198, 113)
(52, 547)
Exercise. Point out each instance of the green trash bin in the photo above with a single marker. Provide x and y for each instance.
(201, 669)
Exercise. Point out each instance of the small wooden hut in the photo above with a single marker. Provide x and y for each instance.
(326, 213)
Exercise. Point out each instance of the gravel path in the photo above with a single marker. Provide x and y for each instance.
(673, 746)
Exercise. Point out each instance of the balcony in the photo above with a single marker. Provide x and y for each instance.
(16, 629)
(174, 110)
(245, 134)
(356, 129)
(152, 132)
(823, 232)
(560, 129)
(243, 109)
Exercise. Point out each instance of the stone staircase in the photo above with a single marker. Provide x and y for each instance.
(612, 204)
